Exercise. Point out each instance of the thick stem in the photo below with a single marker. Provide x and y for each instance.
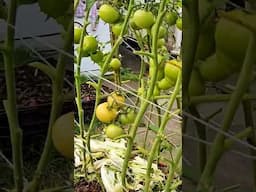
(218, 98)
(15, 131)
(57, 102)
(172, 170)
(201, 133)
(217, 148)
(190, 39)
(249, 122)
(160, 133)
(149, 97)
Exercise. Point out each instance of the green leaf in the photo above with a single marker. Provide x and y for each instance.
(89, 4)
(47, 69)
(153, 128)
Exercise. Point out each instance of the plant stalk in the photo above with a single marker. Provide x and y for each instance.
(241, 87)
(57, 102)
(11, 105)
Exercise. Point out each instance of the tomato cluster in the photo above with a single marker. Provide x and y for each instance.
(114, 113)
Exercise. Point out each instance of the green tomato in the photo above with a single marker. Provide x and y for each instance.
(214, 71)
(196, 84)
(115, 64)
(123, 119)
(165, 84)
(144, 19)
(179, 23)
(117, 28)
(131, 115)
(133, 24)
(162, 31)
(109, 14)
(171, 71)
(77, 34)
(90, 44)
(232, 39)
(171, 18)
(97, 57)
(113, 131)
(160, 42)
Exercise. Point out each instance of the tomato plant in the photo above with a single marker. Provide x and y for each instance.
(133, 105)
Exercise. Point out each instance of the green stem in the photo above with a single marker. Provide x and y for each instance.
(149, 97)
(217, 98)
(217, 149)
(161, 133)
(201, 133)
(12, 114)
(190, 39)
(172, 170)
(57, 102)
(249, 121)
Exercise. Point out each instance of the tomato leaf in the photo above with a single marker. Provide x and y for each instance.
(153, 128)
(89, 4)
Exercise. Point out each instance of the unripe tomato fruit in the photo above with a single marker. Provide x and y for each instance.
(179, 23)
(196, 84)
(63, 134)
(90, 44)
(109, 14)
(144, 19)
(105, 114)
(123, 119)
(232, 39)
(171, 18)
(115, 64)
(212, 70)
(131, 115)
(97, 57)
(113, 131)
(117, 28)
(162, 31)
(165, 84)
(116, 100)
(133, 24)
(171, 71)
(77, 34)
(160, 42)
